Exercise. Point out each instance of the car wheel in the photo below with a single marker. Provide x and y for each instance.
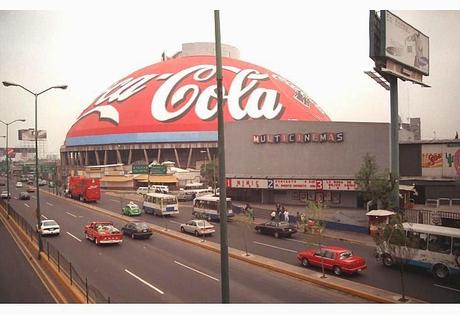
(337, 270)
(305, 262)
(196, 233)
(441, 271)
(277, 235)
(387, 260)
(257, 230)
(182, 229)
(96, 241)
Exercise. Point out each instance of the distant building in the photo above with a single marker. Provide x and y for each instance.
(410, 131)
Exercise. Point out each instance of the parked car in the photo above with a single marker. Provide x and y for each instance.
(103, 233)
(24, 195)
(5, 195)
(19, 185)
(30, 189)
(131, 209)
(137, 229)
(276, 228)
(42, 182)
(48, 227)
(198, 227)
(333, 258)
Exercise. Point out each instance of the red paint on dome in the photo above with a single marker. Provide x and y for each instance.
(145, 103)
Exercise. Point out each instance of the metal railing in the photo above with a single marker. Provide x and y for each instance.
(437, 217)
(64, 265)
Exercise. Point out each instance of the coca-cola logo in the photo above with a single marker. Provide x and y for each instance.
(174, 98)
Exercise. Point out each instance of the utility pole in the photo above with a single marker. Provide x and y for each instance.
(222, 192)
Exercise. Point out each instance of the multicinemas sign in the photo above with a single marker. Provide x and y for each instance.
(176, 101)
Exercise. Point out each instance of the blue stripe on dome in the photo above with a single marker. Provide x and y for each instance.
(144, 137)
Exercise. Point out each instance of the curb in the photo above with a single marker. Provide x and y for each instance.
(342, 285)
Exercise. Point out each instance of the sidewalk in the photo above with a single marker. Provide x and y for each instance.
(340, 215)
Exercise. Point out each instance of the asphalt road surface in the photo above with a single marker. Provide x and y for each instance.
(161, 269)
(418, 283)
(18, 281)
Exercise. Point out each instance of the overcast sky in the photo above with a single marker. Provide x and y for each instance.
(323, 49)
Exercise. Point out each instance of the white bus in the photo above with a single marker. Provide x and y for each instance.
(192, 190)
(208, 206)
(160, 204)
(435, 248)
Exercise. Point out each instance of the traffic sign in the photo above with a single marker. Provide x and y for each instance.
(140, 169)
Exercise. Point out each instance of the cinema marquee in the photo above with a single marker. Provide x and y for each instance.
(324, 137)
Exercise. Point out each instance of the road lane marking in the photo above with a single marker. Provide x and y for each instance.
(114, 200)
(174, 222)
(74, 236)
(303, 242)
(25, 204)
(197, 271)
(448, 288)
(144, 282)
(71, 214)
(273, 246)
(44, 217)
(49, 204)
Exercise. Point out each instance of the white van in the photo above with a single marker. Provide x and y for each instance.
(192, 190)
(153, 189)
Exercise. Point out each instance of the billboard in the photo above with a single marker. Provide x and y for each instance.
(405, 44)
(29, 134)
(441, 160)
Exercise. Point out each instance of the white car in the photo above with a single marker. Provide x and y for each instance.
(19, 185)
(198, 227)
(49, 227)
(4, 195)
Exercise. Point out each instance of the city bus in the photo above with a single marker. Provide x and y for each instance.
(192, 190)
(160, 204)
(207, 206)
(434, 248)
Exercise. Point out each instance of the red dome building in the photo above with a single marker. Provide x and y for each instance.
(167, 111)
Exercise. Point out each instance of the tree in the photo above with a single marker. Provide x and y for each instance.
(373, 185)
(314, 225)
(210, 172)
(394, 247)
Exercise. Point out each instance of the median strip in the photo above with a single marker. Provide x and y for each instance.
(273, 246)
(144, 282)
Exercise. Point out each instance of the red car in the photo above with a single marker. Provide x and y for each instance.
(103, 233)
(334, 258)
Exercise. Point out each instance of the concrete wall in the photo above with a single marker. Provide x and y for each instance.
(303, 160)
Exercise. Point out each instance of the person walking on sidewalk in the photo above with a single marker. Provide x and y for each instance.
(286, 216)
(298, 219)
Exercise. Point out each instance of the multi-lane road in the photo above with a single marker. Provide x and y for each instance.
(161, 269)
(163, 264)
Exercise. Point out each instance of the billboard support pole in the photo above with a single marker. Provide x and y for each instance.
(394, 140)
(225, 289)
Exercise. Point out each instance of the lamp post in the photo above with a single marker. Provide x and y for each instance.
(8, 163)
(63, 87)
(205, 166)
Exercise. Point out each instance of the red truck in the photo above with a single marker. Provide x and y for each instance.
(103, 233)
(84, 188)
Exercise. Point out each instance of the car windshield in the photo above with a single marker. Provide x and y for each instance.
(346, 255)
(48, 223)
(203, 224)
(283, 224)
(142, 226)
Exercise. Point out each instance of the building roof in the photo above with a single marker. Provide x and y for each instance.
(157, 111)
(169, 179)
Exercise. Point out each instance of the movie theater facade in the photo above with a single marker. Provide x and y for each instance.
(290, 161)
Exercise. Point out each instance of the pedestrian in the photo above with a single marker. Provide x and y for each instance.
(250, 212)
(278, 207)
(286, 215)
(298, 219)
(273, 215)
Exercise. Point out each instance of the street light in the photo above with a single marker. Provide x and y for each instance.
(8, 163)
(63, 87)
